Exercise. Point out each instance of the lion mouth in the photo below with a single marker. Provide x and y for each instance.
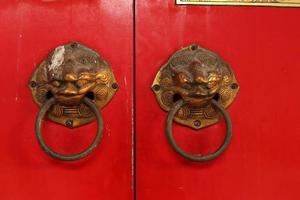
(69, 98)
(197, 100)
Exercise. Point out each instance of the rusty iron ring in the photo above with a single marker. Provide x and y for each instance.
(38, 123)
(198, 158)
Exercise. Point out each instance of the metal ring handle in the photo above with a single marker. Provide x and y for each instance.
(70, 157)
(198, 158)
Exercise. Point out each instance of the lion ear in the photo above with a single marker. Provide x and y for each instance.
(174, 69)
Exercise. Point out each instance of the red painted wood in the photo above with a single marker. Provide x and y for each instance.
(29, 30)
(262, 162)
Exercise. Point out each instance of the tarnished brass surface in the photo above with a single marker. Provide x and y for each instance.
(195, 75)
(70, 73)
(67, 157)
(198, 157)
(277, 3)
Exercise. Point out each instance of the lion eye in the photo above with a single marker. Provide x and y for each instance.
(211, 84)
(182, 78)
(213, 80)
(213, 77)
(82, 82)
(56, 83)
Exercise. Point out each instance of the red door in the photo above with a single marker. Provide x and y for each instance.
(29, 31)
(262, 46)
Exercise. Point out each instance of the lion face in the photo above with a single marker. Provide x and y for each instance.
(196, 76)
(73, 73)
(70, 73)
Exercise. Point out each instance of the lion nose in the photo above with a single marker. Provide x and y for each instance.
(70, 89)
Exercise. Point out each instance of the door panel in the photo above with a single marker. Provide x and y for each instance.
(262, 47)
(29, 31)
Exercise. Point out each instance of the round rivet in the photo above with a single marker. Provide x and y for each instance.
(194, 47)
(156, 87)
(234, 86)
(74, 44)
(33, 84)
(114, 86)
(197, 123)
(69, 123)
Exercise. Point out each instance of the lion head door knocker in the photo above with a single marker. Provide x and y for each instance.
(69, 86)
(195, 86)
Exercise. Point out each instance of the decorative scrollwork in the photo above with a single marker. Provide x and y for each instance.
(195, 75)
(70, 73)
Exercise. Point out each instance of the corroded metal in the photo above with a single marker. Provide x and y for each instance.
(198, 158)
(197, 76)
(70, 73)
(70, 157)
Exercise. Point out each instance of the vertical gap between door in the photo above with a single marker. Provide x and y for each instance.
(134, 102)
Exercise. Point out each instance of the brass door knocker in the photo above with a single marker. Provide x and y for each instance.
(195, 86)
(69, 86)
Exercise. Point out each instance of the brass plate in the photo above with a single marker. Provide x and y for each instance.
(278, 3)
(195, 75)
(70, 73)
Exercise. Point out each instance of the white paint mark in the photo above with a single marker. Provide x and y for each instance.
(125, 81)
(57, 58)
(108, 131)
